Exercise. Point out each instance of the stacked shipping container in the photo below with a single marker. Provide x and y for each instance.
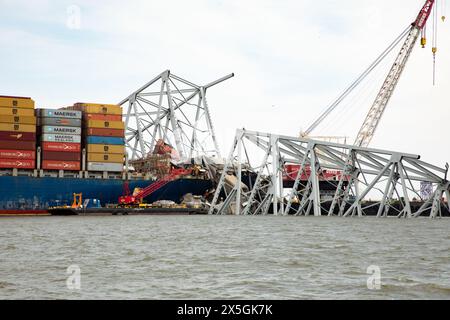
(60, 139)
(104, 133)
(60, 135)
(17, 133)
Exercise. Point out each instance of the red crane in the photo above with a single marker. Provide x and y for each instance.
(373, 118)
(378, 107)
(136, 199)
(375, 114)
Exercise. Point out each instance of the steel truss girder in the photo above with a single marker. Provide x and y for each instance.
(172, 109)
(361, 173)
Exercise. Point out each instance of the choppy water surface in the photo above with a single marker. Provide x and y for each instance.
(223, 257)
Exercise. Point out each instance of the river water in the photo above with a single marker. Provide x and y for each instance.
(223, 257)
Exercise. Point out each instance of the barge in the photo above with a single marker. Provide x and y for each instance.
(126, 211)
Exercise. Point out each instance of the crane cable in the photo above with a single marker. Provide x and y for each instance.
(434, 48)
(374, 64)
(423, 40)
(443, 10)
(349, 109)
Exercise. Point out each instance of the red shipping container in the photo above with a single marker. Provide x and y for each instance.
(105, 132)
(61, 156)
(61, 146)
(17, 154)
(102, 117)
(61, 165)
(17, 145)
(17, 164)
(17, 136)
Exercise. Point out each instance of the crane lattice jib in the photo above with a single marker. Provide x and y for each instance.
(373, 118)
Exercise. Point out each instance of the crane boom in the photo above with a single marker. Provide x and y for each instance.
(373, 118)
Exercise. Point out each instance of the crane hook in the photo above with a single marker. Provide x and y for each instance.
(434, 50)
(423, 42)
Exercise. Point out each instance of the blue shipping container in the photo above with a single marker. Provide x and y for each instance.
(105, 140)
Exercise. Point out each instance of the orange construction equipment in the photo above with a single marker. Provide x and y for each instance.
(77, 200)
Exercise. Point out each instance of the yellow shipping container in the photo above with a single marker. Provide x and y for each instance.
(105, 157)
(17, 119)
(8, 111)
(16, 102)
(105, 124)
(17, 127)
(98, 108)
(106, 148)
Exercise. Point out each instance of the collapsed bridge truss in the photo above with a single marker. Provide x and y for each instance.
(360, 174)
(174, 110)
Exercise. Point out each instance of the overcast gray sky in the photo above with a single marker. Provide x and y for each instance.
(291, 59)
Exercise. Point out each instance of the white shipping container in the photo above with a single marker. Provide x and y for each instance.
(59, 122)
(104, 166)
(61, 130)
(61, 138)
(53, 113)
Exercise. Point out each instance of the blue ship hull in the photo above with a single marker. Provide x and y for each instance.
(40, 193)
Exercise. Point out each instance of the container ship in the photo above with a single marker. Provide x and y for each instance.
(47, 155)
